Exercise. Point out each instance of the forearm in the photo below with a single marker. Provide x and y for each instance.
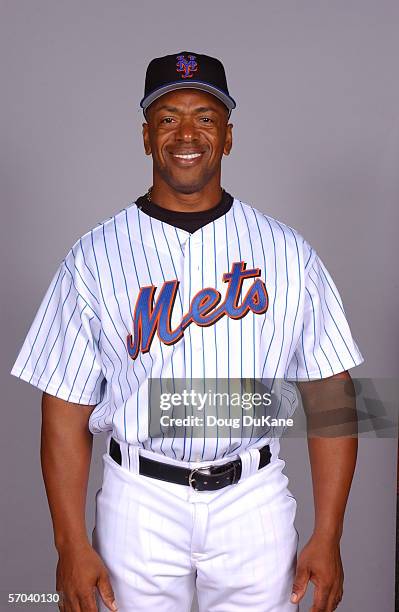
(330, 408)
(333, 463)
(66, 446)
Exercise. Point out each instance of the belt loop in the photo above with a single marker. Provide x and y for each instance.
(125, 455)
(133, 458)
(250, 462)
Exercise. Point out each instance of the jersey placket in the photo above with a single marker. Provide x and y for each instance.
(194, 271)
(200, 340)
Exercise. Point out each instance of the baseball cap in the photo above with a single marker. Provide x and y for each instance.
(186, 69)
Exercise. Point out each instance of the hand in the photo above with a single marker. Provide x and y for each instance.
(79, 571)
(320, 562)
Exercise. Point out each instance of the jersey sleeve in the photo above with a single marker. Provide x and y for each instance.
(325, 346)
(60, 354)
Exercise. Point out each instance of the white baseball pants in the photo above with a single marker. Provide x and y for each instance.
(160, 541)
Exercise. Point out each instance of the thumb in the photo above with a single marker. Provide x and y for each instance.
(106, 592)
(300, 584)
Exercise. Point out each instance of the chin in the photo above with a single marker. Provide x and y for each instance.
(193, 186)
(187, 188)
(184, 183)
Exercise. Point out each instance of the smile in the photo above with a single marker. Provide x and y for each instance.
(187, 155)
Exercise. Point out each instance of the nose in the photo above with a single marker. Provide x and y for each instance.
(187, 131)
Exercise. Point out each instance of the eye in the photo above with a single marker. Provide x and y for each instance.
(167, 120)
(206, 119)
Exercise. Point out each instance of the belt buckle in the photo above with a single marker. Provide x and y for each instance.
(191, 477)
(207, 470)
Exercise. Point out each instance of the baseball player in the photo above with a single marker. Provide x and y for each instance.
(187, 283)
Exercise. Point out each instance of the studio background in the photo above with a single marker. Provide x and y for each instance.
(315, 145)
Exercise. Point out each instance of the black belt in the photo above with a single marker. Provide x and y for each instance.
(207, 478)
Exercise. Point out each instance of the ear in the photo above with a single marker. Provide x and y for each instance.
(228, 142)
(146, 139)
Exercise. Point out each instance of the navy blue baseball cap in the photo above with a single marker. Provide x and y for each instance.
(186, 69)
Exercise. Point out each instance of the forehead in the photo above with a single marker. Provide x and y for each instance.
(188, 100)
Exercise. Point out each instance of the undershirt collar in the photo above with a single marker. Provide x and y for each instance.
(189, 221)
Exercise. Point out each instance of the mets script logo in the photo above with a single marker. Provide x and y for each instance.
(186, 66)
(204, 309)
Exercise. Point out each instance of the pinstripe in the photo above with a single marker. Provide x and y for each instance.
(112, 376)
(84, 260)
(304, 355)
(253, 265)
(112, 321)
(77, 371)
(174, 272)
(178, 240)
(215, 280)
(181, 308)
(70, 352)
(148, 375)
(61, 349)
(144, 252)
(202, 335)
(131, 314)
(87, 379)
(79, 294)
(106, 405)
(100, 379)
(332, 291)
(274, 300)
(41, 323)
(191, 347)
(138, 284)
(228, 327)
(333, 318)
(82, 279)
(265, 278)
(324, 277)
(241, 347)
(320, 342)
(160, 345)
(184, 344)
(314, 333)
(299, 294)
(309, 258)
(324, 325)
(48, 335)
(189, 294)
(105, 409)
(101, 331)
(113, 284)
(297, 366)
(286, 300)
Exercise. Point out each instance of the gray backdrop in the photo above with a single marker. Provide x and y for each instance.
(315, 145)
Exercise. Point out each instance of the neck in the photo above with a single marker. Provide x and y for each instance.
(165, 196)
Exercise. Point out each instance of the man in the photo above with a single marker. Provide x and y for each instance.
(188, 283)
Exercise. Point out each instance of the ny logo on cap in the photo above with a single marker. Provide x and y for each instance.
(186, 66)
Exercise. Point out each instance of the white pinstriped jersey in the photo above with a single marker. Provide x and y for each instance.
(77, 347)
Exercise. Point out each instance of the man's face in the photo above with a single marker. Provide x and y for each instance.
(187, 134)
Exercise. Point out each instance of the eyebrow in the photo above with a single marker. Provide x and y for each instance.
(174, 109)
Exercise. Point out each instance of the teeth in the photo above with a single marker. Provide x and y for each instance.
(189, 156)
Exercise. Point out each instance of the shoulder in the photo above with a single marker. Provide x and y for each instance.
(89, 252)
(85, 246)
(281, 235)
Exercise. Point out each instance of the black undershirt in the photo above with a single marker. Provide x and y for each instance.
(189, 221)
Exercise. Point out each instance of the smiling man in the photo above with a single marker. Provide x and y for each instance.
(189, 283)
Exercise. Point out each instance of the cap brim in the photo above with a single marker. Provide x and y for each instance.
(218, 93)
